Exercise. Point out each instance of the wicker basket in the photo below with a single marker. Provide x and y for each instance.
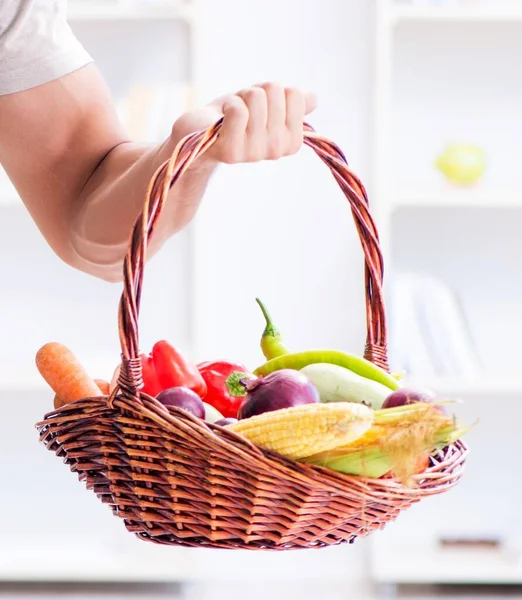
(176, 480)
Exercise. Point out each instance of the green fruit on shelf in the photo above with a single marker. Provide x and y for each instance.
(462, 164)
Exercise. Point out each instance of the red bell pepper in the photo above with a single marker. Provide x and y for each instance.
(165, 367)
(174, 370)
(151, 385)
(224, 390)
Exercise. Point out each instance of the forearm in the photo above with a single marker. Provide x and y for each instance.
(112, 199)
(84, 184)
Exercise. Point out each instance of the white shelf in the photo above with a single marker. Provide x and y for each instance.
(85, 11)
(418, 565)
(95, 562)
(130, 560)
(430, 88)
(483, 386)
(459, 198)
(486, 13)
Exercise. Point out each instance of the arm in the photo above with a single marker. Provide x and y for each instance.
(84, 182)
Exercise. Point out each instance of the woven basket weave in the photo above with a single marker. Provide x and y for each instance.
(176, 480)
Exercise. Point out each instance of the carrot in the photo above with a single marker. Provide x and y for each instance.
(64, 374)
(58, 402)
(103, 385)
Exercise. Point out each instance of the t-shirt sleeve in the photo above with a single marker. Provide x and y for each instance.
(37, 44)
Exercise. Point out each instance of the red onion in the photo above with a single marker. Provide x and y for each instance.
(182, 397)
(404, 396)
(281, 389)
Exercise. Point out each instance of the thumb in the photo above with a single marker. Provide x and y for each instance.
(310, 102)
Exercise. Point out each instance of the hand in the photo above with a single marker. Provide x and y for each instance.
(264, 122)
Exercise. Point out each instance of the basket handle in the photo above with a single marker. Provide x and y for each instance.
(186, 152)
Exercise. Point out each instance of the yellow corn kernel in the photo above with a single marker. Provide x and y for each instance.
(304, 430)
(369, 437)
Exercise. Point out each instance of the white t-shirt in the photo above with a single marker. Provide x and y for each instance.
(36, 44)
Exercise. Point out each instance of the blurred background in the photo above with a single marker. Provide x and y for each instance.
(424, 99)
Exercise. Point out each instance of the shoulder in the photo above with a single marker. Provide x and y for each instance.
(36, 44)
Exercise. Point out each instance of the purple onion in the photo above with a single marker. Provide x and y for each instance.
(226, 421)
(281, 389)
(182, 397)
(404, 396)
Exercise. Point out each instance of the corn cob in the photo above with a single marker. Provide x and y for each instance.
(304, 430)
(399, 442)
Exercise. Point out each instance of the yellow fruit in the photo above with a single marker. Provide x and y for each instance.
(463, 164)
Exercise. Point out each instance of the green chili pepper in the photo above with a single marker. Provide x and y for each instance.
(271, 340)
(298, 360)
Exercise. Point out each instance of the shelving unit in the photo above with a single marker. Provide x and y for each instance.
(443, 74)
(467, 389)
(415, 565)
(449, 197)
(492, 12)
(139, 48)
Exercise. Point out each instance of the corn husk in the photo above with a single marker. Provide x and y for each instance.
(398, 443)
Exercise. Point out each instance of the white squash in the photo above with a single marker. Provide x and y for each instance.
(338, 384)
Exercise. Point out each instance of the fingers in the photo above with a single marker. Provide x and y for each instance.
(277, 133)
(264, 122)
(310, 103)
(256, 102)
(295, 111)
(231, 145)
(276, 98)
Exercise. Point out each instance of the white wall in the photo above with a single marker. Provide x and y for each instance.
(283, 230)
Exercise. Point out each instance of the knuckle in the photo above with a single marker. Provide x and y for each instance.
(237, 107)
(273, 87)
(292, 91)
(253, 94)
(294, 95)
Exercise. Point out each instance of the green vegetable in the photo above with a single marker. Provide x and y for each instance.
(364, 462)
(357, 364)
(338, 384)
(271, 340)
